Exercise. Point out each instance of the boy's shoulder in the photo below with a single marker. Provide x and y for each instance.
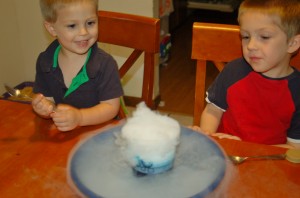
(238, 66)
(239, 62)
(97, 52)
(296, 71)
(100, 61)
(294, 78)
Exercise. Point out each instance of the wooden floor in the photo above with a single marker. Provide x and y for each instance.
(177, 77)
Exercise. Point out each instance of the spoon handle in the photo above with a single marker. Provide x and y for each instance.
(276, 156)
(10, 90)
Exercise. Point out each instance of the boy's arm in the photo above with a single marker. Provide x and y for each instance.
(100, 113)
(293, 145)
(289, 145)
(210, 118)
(67, 117)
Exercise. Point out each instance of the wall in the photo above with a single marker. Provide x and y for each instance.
(23, 37)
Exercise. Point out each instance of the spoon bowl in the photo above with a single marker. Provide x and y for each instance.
(239, 159)
(16, 92)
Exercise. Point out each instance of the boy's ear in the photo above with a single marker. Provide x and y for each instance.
(49, 27)
(294, 44)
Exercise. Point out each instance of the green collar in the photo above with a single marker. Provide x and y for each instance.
(80, 78)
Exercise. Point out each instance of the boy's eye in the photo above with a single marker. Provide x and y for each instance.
(90, 23)
(265, 37)
(71, 26)
(244, 37)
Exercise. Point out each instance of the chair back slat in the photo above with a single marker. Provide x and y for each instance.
(129, 62)
(216, 43)
(139, 33)
(129, 30)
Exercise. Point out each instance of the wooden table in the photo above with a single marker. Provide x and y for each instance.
(34, 154)
(33, 160)
(261, 178)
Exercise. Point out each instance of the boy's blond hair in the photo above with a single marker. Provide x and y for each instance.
(49, 7)
(287, 11)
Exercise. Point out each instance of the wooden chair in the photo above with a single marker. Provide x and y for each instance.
(139, 33)
(219, 44)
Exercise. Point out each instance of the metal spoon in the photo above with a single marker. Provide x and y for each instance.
(239, 159)
(16, 92)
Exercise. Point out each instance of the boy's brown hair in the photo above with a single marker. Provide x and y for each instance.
(285, 12)
(49, 7)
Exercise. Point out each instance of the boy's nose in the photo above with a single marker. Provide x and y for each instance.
(251, 44)
(83, 31)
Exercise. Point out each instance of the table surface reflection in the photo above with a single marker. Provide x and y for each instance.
(34, 155)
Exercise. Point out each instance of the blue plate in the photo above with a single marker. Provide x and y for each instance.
(96, 168)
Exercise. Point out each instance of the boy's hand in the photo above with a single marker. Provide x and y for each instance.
(198, 129)
(218, 135)
(42, 106)
(224, 135)
(66, 117)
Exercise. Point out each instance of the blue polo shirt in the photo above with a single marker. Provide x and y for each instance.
(102, 83)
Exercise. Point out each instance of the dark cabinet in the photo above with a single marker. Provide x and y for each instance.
(179, 14)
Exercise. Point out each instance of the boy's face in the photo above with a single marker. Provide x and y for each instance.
(76, 27)
(265, 45)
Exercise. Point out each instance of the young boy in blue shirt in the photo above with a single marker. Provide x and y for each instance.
(77, 84)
